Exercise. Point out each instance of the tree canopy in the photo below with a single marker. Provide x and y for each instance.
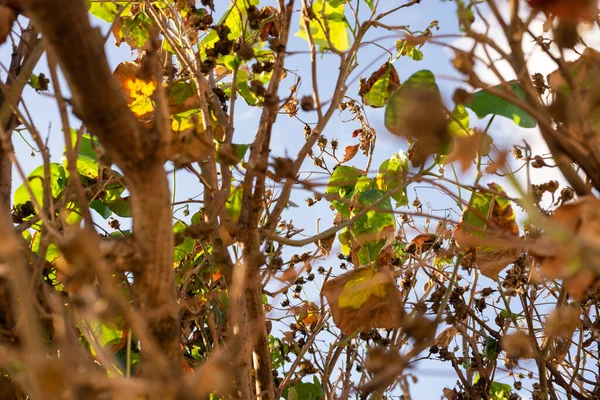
(299, 199)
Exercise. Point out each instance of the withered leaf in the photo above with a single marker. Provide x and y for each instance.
(445, 337)
(377, 89)
(7, 18)
(422, 243)
(569, 248)
(485, 226)
(326, 244)
(350, 152)
(571, 10)
(137, 91)
(585, 75)
(467, 147)
(518, 345)
(270, 28)
(563, 321)
(415, 111)
(364, 298)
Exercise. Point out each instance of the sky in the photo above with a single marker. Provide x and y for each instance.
(288, 133)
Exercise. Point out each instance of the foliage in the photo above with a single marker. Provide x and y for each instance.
(168, 253)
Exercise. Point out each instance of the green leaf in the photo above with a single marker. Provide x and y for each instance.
(27, 236)
(491, 348)
(234, 18)
(409, 49)
(242, 87)
(58, 180)
(136, 31)
(379, 93)
(392, 174)
(476, 216)
(52, 252)
(306, 391)
(370, 227)
(107, 10)
(38, 82)
(241, 150)
(465, 14)
(185, 248)
(486, 205)
(399, 104)
(278, 347)
(184, 120)
(120, 206)
(73, 214)
(234, 203)
(459, 122)
(363, 184)
(345, 238)
(335, 19)
(370, 4)
(181, 91)
(369, 252)
(101, 209)
(500, 391)
(196, 218)
(87, 159)
(113, 200)
(292, 394)
(484, 103)
(342, 183)
(414, 53)
(109, 334)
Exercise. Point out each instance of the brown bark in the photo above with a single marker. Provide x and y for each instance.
(98, 101)
(253, 319)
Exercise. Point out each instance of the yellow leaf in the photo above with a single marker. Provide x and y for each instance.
(137, 91)
(364, 298)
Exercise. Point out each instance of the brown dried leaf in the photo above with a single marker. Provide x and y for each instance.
(563, 321)
(364, 299)
(450, 394)
(570, 10)
(579, 284)
(467, 147)
(491, 263)
(518, 345)
(424, 242)
(289, 275)
(445, 337)
(7, 17)
(570, 250)
(326, 244)
(271, 28)
(419, 328)
(350, 152)
(393, 84)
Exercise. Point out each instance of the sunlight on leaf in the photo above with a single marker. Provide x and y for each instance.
(57, 180)
(376, 90)
(137, 91)
(341, 187)
(392, 174)
(334, 19)
(364, 298)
